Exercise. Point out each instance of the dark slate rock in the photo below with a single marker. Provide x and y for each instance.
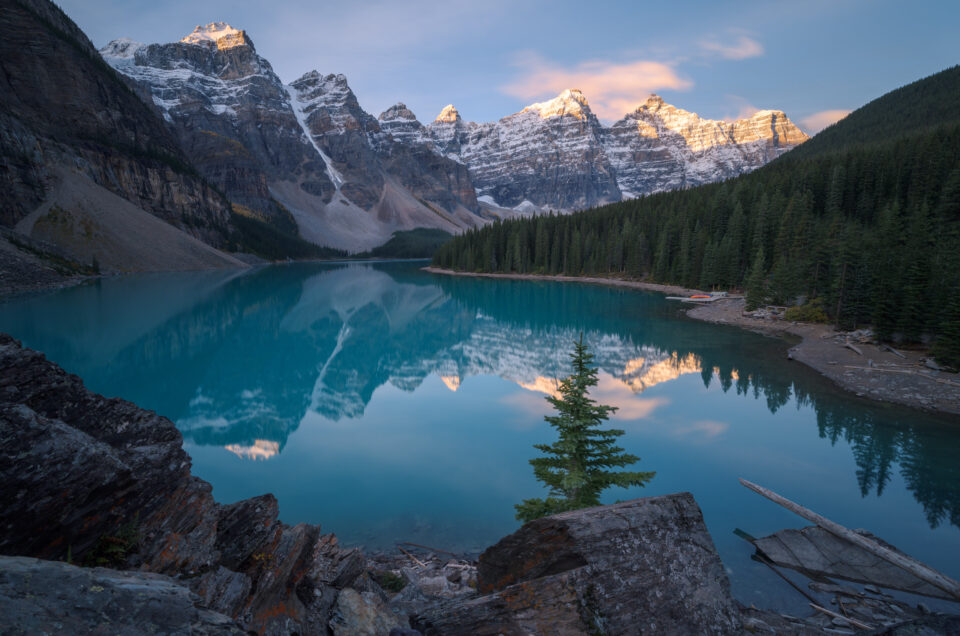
(76, 467)
(47, 597)
(939, 625)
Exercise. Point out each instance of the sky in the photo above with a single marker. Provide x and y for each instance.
(814, 59)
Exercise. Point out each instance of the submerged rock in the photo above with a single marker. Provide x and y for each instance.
(643, 566)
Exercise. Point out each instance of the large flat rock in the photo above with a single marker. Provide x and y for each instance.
(646, 566)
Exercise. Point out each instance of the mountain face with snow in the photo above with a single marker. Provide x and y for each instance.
(660, 147)
(550, 154)
(557, 155)
(305, 157)
(309, 159)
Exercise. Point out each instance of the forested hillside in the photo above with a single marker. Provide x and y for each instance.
(867, 221)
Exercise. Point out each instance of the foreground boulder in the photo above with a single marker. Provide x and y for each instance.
(45, 597)
(103, 482)
(646, 566)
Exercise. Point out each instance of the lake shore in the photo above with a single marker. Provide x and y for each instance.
(878, 374)
(612, 282)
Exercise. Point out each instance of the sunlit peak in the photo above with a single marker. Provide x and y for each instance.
(449, 114)
(219, 33)
(569, 102)
(452, 382)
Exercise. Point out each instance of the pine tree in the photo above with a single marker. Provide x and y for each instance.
(757, 282)
(947, 346)
(577, 466)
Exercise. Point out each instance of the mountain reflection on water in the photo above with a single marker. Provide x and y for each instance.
(246, 362)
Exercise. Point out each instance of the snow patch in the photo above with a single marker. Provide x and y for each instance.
(569, 102)
(121, 49)
(298, 111)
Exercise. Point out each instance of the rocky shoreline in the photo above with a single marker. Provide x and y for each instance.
(875, 373)
(868, 370)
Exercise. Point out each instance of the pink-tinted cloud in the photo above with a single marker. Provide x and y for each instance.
(818, 121)
(613, 89)
(741, 49)
(702, 430)
(744, 108)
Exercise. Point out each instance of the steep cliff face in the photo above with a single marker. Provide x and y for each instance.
(306, 152)
(660, 147)
(63, 111)
(230, 112)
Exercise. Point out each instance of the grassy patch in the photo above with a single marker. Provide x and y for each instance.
(811, 312)
(113, 550)
(389, 581)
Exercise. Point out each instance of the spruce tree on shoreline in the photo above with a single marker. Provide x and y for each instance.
(577, 467)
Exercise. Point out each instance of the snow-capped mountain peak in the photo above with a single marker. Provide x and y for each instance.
(448, 115)
(397, 111)
(221, 34)
(569, 102)
(121, 48)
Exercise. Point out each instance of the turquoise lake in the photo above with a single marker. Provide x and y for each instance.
(388, 404)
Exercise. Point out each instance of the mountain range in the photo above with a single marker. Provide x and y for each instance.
(203, 135)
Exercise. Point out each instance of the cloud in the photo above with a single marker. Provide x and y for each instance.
(744, 108)
(613, 89)
(818, 121)
(742, 49)
(702, 430)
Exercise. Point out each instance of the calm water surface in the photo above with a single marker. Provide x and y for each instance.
(388, 404)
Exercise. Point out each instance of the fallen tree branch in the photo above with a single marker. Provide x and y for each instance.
(852, 621)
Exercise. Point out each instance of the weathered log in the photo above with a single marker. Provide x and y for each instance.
(852, 621)
(918, 569)
(854, 348)
(413, 558)
(893, 351)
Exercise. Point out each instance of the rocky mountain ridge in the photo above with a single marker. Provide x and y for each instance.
(304, 156)
(349, 179)
(557, 154)
(201, 131)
